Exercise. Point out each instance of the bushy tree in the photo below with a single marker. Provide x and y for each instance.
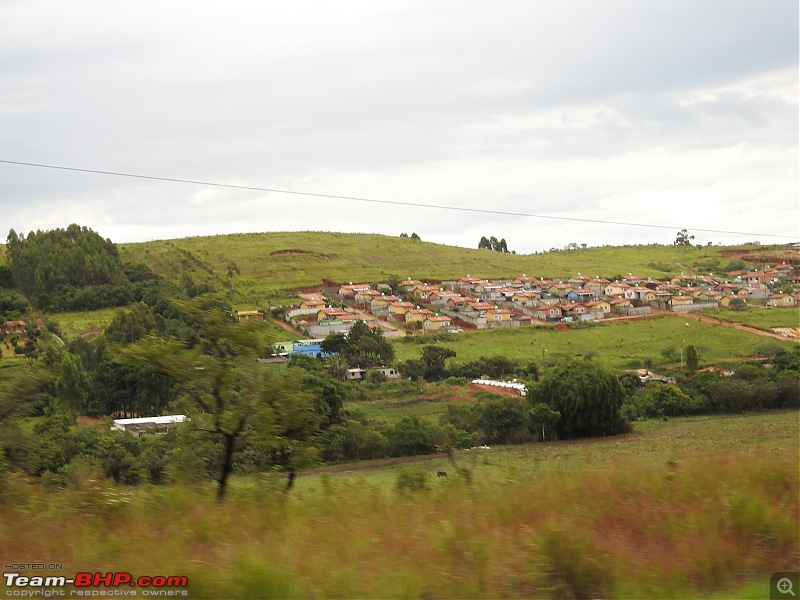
(433, 361)
(587, 396)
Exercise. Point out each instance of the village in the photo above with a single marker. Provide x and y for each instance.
(470, 303)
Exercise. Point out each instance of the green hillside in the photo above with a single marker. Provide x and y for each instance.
(255, 266)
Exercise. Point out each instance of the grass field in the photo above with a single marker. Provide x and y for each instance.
(429, 401)
(687, 508)
(758, 316)
(86, 324)
(615, 345)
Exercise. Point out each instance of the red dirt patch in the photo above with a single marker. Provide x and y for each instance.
(290, 251)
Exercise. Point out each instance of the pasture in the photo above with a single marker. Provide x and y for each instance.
(620, 345)
(686, 508)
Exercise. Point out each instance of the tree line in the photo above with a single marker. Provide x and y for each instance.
(67, 269)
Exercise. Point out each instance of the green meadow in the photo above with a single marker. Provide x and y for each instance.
(686, 508)
(619, 345)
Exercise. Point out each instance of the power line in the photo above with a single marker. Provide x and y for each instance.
(376, 201)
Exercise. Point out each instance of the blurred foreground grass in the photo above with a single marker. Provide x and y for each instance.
(705, 507)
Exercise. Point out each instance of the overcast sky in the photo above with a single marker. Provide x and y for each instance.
(678, 113)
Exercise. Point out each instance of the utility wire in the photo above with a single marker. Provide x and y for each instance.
(376, 201)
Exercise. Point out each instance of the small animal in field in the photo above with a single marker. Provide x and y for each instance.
(441, 473)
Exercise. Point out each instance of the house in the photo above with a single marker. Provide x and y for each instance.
(478, 306)
(577, 280)
(498, 315)
(757, 277)
(13, 327)
(574, 310)
(681, 301)
(358, 374)
(350, 290)
(630, 293)
(244, 315)
(381, 303)
(581, 294)
(409, 284)
(141, 425)
(600, 306)
(312, 303)
(707, 295)
(457, 302)
(441, 296)
(559, 290)
(525, 280)
(597, 285)
(620, 303)
(550, 312)
(645, 294)
(329, 314)
(417, 315)
(365, 296)
(468, 282)
(780, 300)
(397, 310)
(526, 298)
(423, 291)
(311, 347)
(615, 289)
(435, 323)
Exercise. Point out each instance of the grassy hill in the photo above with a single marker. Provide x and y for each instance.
(257, 266)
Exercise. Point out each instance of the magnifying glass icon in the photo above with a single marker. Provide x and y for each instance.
(784, 586)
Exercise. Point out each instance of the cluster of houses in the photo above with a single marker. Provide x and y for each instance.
(478, 303)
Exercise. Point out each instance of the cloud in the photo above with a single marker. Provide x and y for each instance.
(682, 113)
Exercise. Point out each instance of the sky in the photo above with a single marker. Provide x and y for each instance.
(679, 114)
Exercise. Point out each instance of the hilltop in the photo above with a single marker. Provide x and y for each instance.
(259, 266)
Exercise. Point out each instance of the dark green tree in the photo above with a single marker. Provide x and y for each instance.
(587, 396)
(71, 384)
(433, 361)
(692, 358)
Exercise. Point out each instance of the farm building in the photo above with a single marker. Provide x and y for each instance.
(147, 424)
(508, 388)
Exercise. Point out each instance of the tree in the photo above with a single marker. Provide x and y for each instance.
(692, 358)
(545, 418)
(737, 304)
(233, 398)
(494, 244)
(414, 236)
(433, 359)
(71, 384)
(683, 238)
(587, 396)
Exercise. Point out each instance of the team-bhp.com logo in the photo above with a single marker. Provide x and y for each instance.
(90, 584)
